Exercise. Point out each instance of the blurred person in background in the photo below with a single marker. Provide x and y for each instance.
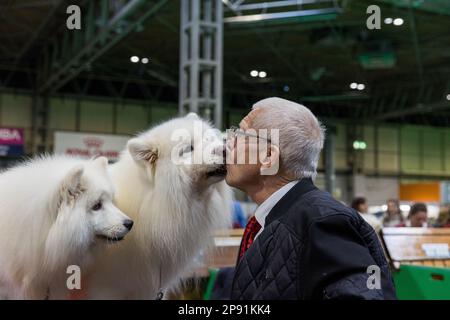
(360, 205)
(418, 216)
(443, 220)
(393, 215)
(239, 217)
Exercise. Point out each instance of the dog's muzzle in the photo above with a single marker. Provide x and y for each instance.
(218, 172)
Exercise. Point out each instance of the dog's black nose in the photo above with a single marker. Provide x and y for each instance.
(128, 224)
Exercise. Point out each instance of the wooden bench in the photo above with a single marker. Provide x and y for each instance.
(222, 254)
(406, 246)
(226, 248)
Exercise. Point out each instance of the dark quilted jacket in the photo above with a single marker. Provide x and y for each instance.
(312, 247)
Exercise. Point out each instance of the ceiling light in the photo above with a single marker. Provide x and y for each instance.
(262, 74)
(144, 60)
(388, 20)
(359, 145)
(398, 21)
(134, 59)
(353, 85)
(254, 73)
(361, 86)
(448, 97)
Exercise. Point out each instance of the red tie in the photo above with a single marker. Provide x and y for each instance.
(251, 230)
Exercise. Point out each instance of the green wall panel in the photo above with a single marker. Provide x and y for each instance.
(131, 118)
(96, 116)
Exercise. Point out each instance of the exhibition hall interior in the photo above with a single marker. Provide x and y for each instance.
(88, 80)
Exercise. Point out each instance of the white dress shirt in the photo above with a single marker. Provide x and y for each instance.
(264, 208)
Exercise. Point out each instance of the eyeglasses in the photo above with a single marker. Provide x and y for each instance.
(233, 132)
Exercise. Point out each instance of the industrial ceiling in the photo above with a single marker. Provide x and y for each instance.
(313, 51)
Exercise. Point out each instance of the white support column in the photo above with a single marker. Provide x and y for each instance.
(201, 45)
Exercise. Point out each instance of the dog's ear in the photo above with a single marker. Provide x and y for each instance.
(71, 185)
(142, 152)
(193, 116)
(101, 161)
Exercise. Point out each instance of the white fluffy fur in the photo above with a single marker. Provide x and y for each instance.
(175, 209)
(46, 223)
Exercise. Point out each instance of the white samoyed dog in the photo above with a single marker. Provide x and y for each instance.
(170, 181)
(55, 211)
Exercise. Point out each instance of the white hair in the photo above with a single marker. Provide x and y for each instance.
(301, 135)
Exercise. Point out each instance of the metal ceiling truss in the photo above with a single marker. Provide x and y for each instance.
(418, 109)
(434, 6)
(410, 101)
(309, 10)
(56, 7)
(104, 24)
(201, 67)
(28, 4)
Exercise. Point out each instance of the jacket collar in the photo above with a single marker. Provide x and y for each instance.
(303, 186)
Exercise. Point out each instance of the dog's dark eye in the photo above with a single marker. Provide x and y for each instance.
(187, 149)
(97, 206)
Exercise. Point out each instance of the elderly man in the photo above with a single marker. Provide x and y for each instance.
(301, 243)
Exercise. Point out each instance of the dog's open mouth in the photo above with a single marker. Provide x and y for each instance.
(106, 238)
(219, 172)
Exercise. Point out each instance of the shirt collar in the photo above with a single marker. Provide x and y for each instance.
(264, 208)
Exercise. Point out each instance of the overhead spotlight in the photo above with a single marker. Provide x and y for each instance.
(353, 85)
(361, 87)
(286, 88)
(388, 20)
(262, 74)
(144, 60)
(134, 59)
(448, 97)
(398, 21)
(359, 145)
(254, 73)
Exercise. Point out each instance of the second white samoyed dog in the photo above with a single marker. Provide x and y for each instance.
(176, 206)
(54, 212)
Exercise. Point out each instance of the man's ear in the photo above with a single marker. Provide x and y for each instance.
(142, 152)
(71, 185)
(271, 163)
